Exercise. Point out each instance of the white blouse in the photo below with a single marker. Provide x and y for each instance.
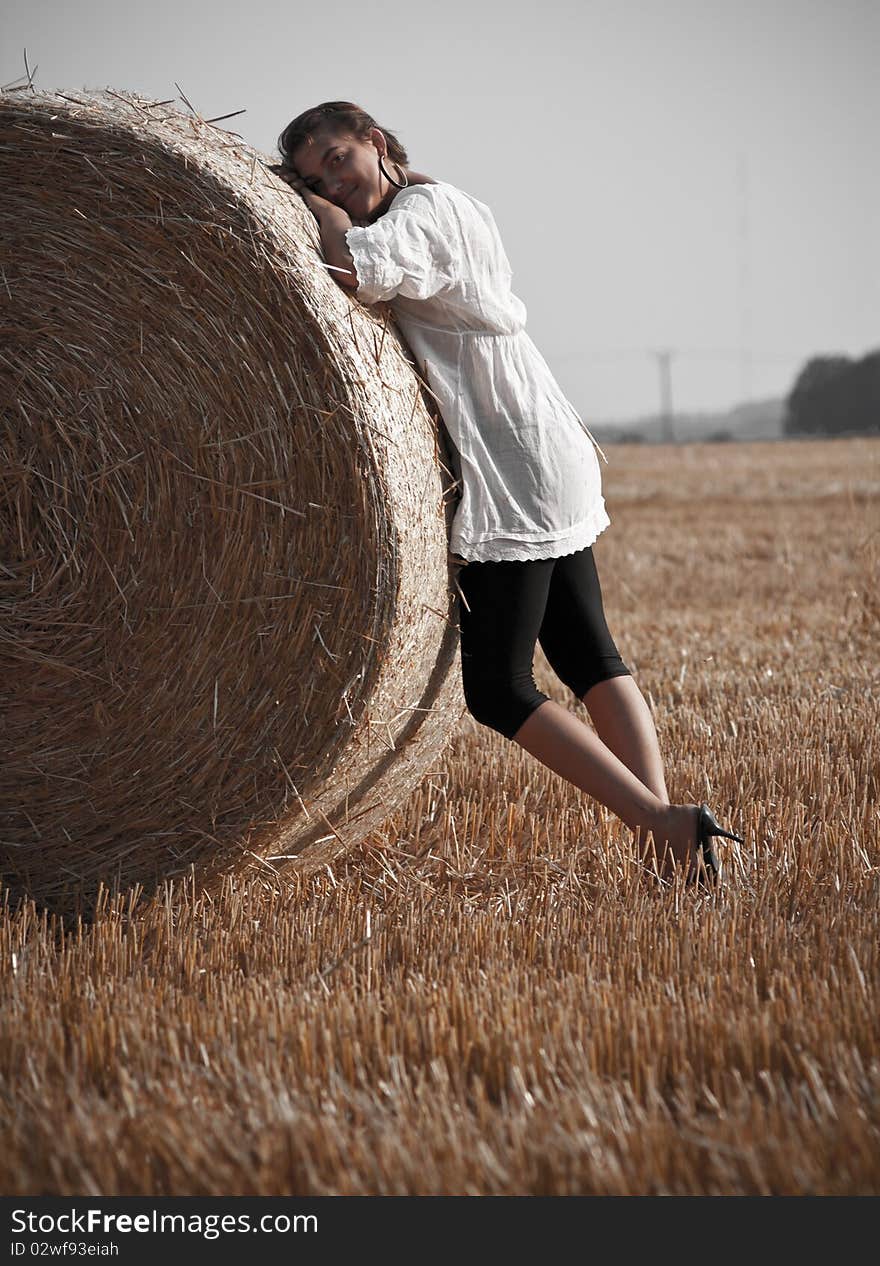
(529, 476)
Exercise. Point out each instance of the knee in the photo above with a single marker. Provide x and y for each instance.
(581, 669)
(500, 702)
(600, 670)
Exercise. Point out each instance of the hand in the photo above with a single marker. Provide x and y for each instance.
(292, 178)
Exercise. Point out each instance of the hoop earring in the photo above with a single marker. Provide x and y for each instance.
(391, 179)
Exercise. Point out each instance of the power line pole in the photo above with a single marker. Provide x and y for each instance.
(667, 416)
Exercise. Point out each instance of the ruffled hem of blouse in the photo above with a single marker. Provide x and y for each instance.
(501, 551)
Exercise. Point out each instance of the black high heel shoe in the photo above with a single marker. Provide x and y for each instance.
(707, 826)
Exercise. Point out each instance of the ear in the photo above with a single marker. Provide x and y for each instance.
(378, 139)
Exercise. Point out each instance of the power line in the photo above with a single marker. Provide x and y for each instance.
(708, 353)
(664, 357)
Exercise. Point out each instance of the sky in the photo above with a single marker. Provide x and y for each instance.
(698, 177)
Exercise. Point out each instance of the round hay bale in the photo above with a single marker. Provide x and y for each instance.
(228, 613)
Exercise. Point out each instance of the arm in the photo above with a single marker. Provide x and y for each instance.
(333, 222)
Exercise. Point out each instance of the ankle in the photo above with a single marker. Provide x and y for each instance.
(654, 821)
(673, 827)
(668, 831)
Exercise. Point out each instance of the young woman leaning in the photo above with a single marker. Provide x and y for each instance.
(531, 498)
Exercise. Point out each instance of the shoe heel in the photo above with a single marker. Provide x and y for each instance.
(709, 827)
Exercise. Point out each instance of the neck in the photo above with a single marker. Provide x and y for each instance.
(383, 206)
(413, 177)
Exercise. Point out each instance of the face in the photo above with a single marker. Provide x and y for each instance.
(345, 169)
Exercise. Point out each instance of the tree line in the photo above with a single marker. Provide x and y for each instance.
(835, 395)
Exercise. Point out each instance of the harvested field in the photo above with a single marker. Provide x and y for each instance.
(485, 998)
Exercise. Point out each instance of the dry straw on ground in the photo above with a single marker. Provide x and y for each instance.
(228, 615)
(483, 998)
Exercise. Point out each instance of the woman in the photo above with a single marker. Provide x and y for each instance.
(531, 501)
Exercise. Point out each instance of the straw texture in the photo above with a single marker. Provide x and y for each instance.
(228, 622)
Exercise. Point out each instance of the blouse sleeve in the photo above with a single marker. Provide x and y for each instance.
(404, 253)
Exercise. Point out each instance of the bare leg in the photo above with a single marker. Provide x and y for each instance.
(624, 723)
(559, 740)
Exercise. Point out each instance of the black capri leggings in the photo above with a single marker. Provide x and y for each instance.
(556, 601)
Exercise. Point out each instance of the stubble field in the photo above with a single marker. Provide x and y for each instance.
(486, 998)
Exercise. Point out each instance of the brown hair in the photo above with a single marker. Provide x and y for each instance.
(336, 116)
